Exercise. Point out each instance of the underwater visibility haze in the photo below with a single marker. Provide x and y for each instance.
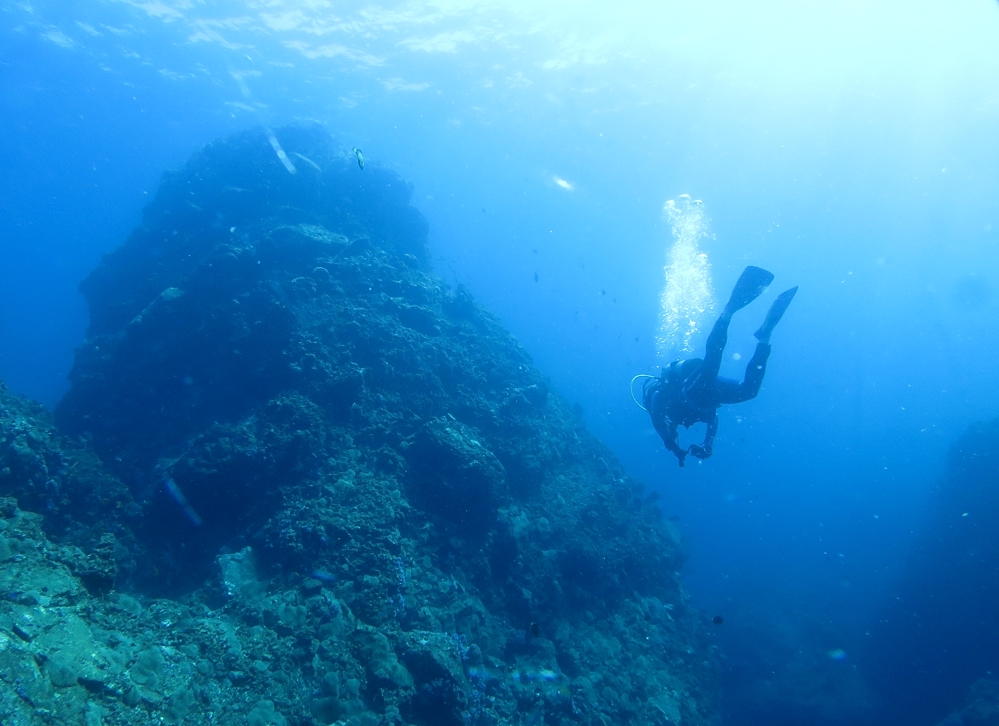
(317, 323)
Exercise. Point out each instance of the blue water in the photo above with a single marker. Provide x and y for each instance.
(850, 148)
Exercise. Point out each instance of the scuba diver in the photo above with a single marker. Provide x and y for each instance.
(691, 391)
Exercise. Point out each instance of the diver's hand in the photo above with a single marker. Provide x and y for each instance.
(701, 452)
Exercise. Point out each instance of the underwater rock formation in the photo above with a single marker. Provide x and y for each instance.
(85, 508)
(938, 632)
(357, 500)
(981, 706)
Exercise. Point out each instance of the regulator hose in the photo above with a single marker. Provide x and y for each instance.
(631, 387)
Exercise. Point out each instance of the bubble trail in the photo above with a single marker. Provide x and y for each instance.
(687, 293)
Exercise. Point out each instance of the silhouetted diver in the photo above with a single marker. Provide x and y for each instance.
(691, 391)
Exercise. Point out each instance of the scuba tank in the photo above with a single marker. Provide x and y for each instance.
(674, 375)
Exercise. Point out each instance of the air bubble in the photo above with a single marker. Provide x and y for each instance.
(687, 294)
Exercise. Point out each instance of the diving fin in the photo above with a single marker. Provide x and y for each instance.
(751, 284)
(774, 315)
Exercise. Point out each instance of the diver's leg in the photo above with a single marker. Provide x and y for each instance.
(730, 391)
(713, 349)
(755, 370)
(750, 285)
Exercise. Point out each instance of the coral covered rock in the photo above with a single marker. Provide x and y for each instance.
(343, 463)
(50, 474)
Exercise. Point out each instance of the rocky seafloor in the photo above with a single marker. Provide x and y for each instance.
(298, 480)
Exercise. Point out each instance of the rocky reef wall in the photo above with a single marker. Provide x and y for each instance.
(344, 492)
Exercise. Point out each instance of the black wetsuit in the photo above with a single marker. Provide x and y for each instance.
(675, 400)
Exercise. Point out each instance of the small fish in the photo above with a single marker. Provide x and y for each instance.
(718, 620)
(360, 157)
(535, 277)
